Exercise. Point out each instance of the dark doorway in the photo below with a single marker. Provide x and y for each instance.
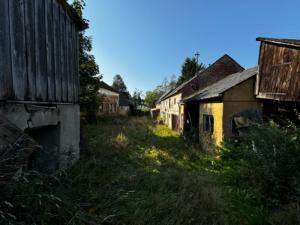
(175, 122)
(191, 122)
(47, 159)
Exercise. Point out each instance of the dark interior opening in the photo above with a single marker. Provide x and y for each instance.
(47, 159)
(191, 122)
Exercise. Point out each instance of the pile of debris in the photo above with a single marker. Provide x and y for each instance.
(16, 150)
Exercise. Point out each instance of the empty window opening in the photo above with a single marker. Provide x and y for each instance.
(208, 123)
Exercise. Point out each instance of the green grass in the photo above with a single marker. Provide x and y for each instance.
(132, 172)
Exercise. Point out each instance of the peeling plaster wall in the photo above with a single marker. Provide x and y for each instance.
(66, 117)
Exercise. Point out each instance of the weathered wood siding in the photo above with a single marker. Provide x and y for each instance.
(38, 52)
(279, 72)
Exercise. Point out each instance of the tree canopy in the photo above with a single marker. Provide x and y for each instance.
(119, 84)
(152, 96)
(88, 70)
(189, 69)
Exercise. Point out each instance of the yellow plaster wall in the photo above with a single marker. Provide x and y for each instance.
(215, 109)
(238, 99)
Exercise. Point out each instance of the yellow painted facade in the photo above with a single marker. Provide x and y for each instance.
(216, 110)
(238, 99)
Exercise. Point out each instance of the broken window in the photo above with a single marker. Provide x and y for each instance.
(208, 123)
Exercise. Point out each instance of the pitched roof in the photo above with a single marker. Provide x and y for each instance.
(217, 89)
(287, 42)
(107, 87)
(210, 75)
(164, 94)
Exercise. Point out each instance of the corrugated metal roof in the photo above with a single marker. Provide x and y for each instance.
(217, 89)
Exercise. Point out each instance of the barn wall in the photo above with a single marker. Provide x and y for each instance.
(279, 75)
(38, 52)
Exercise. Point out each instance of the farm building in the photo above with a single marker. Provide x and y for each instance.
(113, 102)
(39, 81)
(227, 106)
(175, 114)
(279, 77)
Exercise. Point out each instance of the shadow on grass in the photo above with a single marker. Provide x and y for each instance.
(149, 176)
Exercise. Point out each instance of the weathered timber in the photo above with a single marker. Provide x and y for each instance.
(5, 52)
(16, 149)
(279, 70)
(39, 51)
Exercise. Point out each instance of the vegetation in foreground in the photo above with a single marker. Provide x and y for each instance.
(133, 172)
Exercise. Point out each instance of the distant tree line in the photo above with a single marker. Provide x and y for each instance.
(189, 69)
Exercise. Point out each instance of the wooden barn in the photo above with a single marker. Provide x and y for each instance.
(39, 76)
(278, 83)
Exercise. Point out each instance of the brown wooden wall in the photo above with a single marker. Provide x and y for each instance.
(279, 72)
(38, 52)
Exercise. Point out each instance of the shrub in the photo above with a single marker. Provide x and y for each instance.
(269, 158)
(290, 214)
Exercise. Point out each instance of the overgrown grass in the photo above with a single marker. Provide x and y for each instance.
(133, 172)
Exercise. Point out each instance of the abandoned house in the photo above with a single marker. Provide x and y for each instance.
(39, 82)
(173, 113)
(227, 106)
(113, 103)
(278, 84)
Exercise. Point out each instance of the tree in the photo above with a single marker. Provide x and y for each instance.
(189, 69)
(119, 84)
(151, 98)
(136, 99)
(88, 70)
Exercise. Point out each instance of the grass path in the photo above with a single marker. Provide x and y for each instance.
(137, 173)
(132, 172)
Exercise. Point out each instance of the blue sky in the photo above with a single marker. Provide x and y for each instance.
(146, 41)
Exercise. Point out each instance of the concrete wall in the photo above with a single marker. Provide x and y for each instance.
(239, 99)
(65, 117)
(216, 110)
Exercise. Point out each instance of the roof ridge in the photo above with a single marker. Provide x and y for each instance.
(220, 81)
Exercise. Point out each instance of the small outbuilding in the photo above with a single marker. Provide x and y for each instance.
(227, 106)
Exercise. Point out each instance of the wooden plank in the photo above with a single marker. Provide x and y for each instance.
(41, 51)
(50, 50)
(18, 48)
(57, 51)
(72, 63)
(76, 67)
(69, 60)
(30, 48)
(5, 53)
(63, 55)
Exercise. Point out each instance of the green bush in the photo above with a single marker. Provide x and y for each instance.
(268, 159)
